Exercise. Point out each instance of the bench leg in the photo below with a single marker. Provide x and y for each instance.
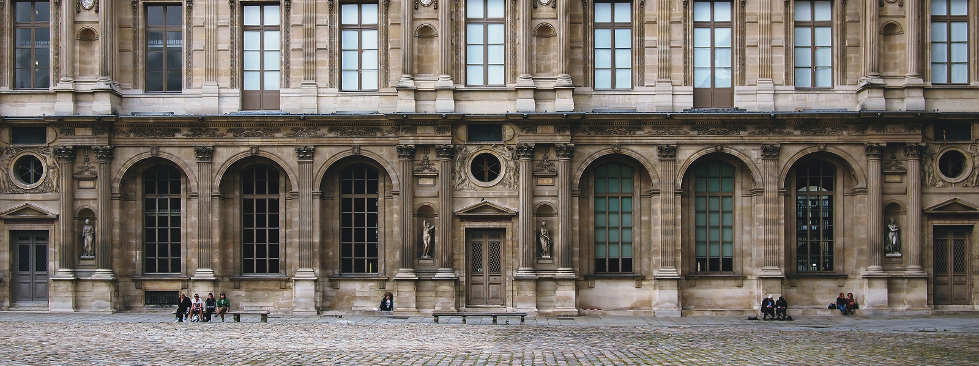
(494, 319)
(464, 320)
(237, 317)
(436, 319)
(265, 318)
(521, 320)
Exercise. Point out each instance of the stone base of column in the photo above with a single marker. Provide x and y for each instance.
(406, 97)
(304, 292)
(765, 95)
(525, 273)
(61, 296)
(107, 99)
(667, 303)
(663, 97)
(65, 101)
(204, 274)
(105, 295)
(769, 286)
(308, 103)
(445, 274)
(525, 94)
(104, 274)
(916, 297)
(914, 94)
(563, 94)
(875, 300)
(210, 98)
(444, 95)
(525, 295)
(565, 297)
(406, 296)
(870, 96)
(445, 295)
(770, 272)
(667, 273)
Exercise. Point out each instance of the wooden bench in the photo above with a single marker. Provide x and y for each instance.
(237, 314)
(464, 315)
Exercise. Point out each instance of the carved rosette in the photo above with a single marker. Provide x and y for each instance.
(64, 153)
(103, 154)
(305, 153)
(525, 151)
(204, 154)
(406, 152)
(564, 151)
(666, 152)
(445, 151)
(874, 150)
(770, 151)
(914, 150)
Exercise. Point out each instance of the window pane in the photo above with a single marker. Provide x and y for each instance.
(603, 38)
(959, 31)
(824, 77)
(623, 78)
(722, 57)
(251, 40)
(252, 15)
(701, 77)
(252, 80)
(960, 73)
(939, 74)
(154, 15)
(722, 37)
(349, 40)
(494, 54)
(368, 80)
(369, 60)
(495, 75)
(474, 75)
(803, 11)
(939, 7)
(272, 40)
(722, 77)
(824, 11)
(939, 52)
(251, 60)
(349, 60)
(603, 12)
(271, 60)
(494, 8)
(803, 36)
(939, 33)
(495, 33)
(474, 8)
(271, 15)
(603, 58)
(368, 39)
(474, 33)
(824, 36)
(174, 14)
(368, 14)
(958, 7)
(701, 57)
(824, 56)
(803, 57)
(722, 12)
(701, 37)
(701, 11)
(622, 12)
(623, 58)
(603, 79)
(623, 38)
(474, 54)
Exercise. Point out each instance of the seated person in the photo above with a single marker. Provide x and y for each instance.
(387, 303)
(196, 309)
(780, 306)
(841, 304)
(851, 303)
(768, 308)
(210, 305)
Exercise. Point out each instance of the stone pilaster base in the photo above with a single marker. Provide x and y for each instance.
(667, 303)
(525, 299)
(875, 295)
(105, 295)
(445, 295)
(304, 295)
(406, 297)
(210, 98)
(565, 297)
(62, 295)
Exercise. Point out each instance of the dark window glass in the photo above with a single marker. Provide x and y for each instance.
(485, 167)
(359, 219)
(484, 133)
(815, 183)
(953, 132)
(261, 57)
(485, 42)
(31, 45)
(29, 169)
(28, 135)
(952, 164)
(614, 218)
(161, 216)
(260, 220)
(714, 216)
(712, 54)
(613, 44)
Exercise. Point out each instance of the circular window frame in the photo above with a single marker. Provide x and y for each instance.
(15, 176)
(476, 181)
(966, 168)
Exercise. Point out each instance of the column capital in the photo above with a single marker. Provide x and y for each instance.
(406, 152)
(914, 150)
(305, 153)
(445, 151)
(564, 151)
(205, 154)
(770, 151)
(525, 151)
(103, 154)
(666, 152)
(874, 150)
(65, 153)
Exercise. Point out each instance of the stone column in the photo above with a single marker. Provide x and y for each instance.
(62, 294)
(913, 36)
(563, 100)
(528, 245)
(205, 272)
(772, 212)
(525, 82)
(874, 215)
(406, 156)
(443, 232)
(107, 44)
(912, 231)
(406, 84)
(304, 281)
(444, 98)
(308, 87)
(105, 288)
(64, 57)
(871, 34)
(667, 301)
(565, 296)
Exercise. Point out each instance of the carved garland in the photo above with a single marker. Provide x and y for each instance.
(233, 23)
(7, 184)
(3, 42)
(137, 35)
(189, 53)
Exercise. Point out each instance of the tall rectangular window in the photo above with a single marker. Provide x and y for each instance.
(814, 220)
(485, 36)
(813, 44)
(260, 220)
(712, 56)
(161, 217)
(32, 35)
(164, 48)
(613, 44)
(358, 219)
(613, 218)
(261, 57)
(714, 216)
(358, 43)
(950, 41)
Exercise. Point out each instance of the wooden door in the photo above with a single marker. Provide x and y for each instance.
(951, 254)
(485, 272)
(30, 269)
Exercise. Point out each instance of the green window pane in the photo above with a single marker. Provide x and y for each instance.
(727, 218)
(701, 218)
(713, 234)
(713, 185)
(627, 184)
(626, 203)
(728, 249)
(701, 249)
(727, 203)
(727, 184)
(600, 204)
(600, 219)
(701, 184)
(701, 233)
(701, 203)
(626, 250)
(613, 235)
(601, 186)
(601, 250)
(613, 219)
(613, 251)
(728, 234)
(613, 204)
(714, 219)
(626, 235)
(626, 219)
(600, 235)
(713, 203)
(715, 250)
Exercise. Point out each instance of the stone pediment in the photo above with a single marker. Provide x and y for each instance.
(485, 209)
(953, 206)
(27, 211)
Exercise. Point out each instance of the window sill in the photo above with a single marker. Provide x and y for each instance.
(161, 277)
(732, 276)
(373, 277)
(261, 277)
(614, 276)
(834, 275)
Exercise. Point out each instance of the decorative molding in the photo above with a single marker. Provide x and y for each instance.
(103, 154)
(525, 151)
(356, 131)
(425, 166)
(445, 151)
(356, 150)
(66, 131)
(719, 130)
(305, 153)
(666, 152)
(770, 130)
(154, 132)
(612, 130)
(154, 151)
(442, 130)
(99, 131)
(254, 131)
(189, 54)
(204, 132)
(545, 166)
(874, 150)
(7, 184)
(406, 152)
(915, 150)
(305, 132)
(409, 130)
(205, 154)
(813, 130)
(64, 153)
(253, 150)
(770, 151)
(894, 165)
(564, 151)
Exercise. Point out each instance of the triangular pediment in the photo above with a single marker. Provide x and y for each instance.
(485, 208)
(27, 211)
(952, 205)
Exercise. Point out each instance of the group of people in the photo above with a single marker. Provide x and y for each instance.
(774, 309)
(198, 310)
(846, 304)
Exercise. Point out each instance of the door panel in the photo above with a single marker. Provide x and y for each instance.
(30, 282)
(951, 256)
(485, 273)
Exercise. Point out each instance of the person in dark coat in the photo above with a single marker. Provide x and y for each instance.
(387, 303)
(780, 306)
(841, 304)
(210, 306)
(768, 308)
(183, 304)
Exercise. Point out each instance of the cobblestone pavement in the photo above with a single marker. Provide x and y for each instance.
(153, 339)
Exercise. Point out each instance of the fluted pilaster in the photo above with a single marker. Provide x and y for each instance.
(528, 245)
(103, 233)
(205, 156)
(875, 220)
(406, 156)
(871, 33)
(668, 218)
(66, 247)
(304, 155)
(443, 235)
(913, 36)
(772, 211)
(565, 152)
(912, 232)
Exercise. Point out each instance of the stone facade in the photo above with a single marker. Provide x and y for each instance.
(790, 192)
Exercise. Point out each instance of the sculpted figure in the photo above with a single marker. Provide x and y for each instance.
(427, 231)
(893, 237)
(545, 240)
(88, 239)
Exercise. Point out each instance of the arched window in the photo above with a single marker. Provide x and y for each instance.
(613, 218)
(714, 216)
(815, 182)
(161, 220)
(260, 220)
(359, 188)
